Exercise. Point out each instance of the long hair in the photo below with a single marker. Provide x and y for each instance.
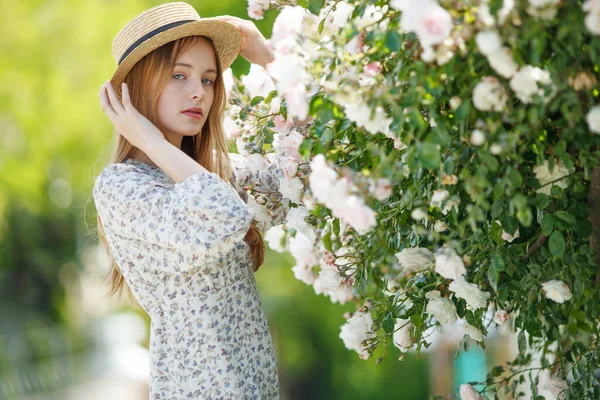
(146, 81)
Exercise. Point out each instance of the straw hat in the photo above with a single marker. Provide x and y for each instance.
(163, 24)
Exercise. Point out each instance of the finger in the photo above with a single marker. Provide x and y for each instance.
(125, 96)
(114, 100)
(105, 104)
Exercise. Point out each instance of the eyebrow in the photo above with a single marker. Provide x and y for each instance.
(189, 66)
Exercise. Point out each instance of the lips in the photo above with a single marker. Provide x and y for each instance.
(194, 112)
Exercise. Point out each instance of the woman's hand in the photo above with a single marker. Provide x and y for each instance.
(255, 48)
(128, 121)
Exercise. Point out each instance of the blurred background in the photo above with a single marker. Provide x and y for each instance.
(61, 335)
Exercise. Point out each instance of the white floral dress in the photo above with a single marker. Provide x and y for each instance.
(180, 248)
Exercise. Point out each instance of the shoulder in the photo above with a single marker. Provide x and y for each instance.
(120, 178)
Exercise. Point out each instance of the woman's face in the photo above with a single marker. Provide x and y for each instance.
(190, 85)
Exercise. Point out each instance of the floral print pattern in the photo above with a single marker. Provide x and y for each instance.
(180, 248)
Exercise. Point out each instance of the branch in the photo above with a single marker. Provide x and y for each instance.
(536, 245)
(594, 205)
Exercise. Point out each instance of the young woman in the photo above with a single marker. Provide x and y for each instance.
(180, 236)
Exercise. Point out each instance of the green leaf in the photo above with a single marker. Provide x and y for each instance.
(393, 42)
(522, 342)
(271, 96)
(336, 227)
(542, 201)
(509, 224)
(314, 6)
(496, 233)
(557, 244)
(256, 100)
(493, 277)
(388, 323)
(497, 209)
(321, 26)
(429, 155)
(515, 179)
(584, 228)
(498, 262)
(567, 218)
(547, 224)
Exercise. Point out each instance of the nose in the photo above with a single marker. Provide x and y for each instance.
(198, 91)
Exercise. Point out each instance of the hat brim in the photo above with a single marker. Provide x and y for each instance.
(226, 38)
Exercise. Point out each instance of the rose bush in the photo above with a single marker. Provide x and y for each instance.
(449, 174)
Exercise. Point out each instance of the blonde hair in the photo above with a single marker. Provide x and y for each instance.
(146, 81)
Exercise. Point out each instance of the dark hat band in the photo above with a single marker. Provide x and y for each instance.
(150, 35)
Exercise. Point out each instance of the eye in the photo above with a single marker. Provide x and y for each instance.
(177, 75)
(208, 81)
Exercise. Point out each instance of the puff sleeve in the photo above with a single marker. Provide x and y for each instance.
(202, 215)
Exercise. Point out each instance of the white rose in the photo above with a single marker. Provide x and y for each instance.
(341, 14)
(402, 334)
(418, 214)
(450, 204)
(448, 264)
(544, 176)
(477, 138)
(289, 166)
(556, 385)
(507, 236)
(288, 23)
(296, 219)
(443, 310)
(356, 213)
(440, 226)
(525, 83)
(290, 145)
(557, 291)
(488, 42)
(258, 82)
(288, 71)
(382, 189)
(303, 250)
(489, 95)
(415, 259)
(355, 331)
(545, 9)
(400, 5)
(228, 81)
(321, 178)
(455, 102)
(431, 23)
(468, 392)
(428, 54)
(232, 130)
(297, 101)
(592, 18)
(329, 277)
(593, 119)
(503, 63)
(470, 292)
(291, 188)
(501, 317)
(439, 195)
(304, 273)
(496, 149)
(274, 237)
(342, 294)
(472, 331)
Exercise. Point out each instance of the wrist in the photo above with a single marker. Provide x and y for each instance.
(267, 56)
(152, 146)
